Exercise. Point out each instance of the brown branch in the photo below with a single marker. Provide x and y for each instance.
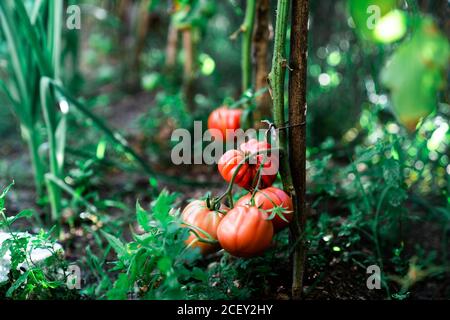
(143, 23)
(261, 51)
(297, 137)
(172, 46)
(189, 67)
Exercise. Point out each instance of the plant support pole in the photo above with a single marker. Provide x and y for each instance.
(297, 137)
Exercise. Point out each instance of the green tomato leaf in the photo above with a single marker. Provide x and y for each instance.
(416, 73)
(116, 244)
(142, 217)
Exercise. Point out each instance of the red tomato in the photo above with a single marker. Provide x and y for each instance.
(269, 169)
(268, 199)
(248, 173)
(222, 119)
(228, 164)
(199, 215)
(245, 232)
(254, 145)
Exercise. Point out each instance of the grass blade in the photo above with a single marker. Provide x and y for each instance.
(32, 37)
(12, 35)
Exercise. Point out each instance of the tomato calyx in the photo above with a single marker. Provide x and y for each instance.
(278, 211)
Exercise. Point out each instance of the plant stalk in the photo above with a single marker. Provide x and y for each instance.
(32, 138)
(247, 30)
(277, 80)
(47, 103)
(297, 138)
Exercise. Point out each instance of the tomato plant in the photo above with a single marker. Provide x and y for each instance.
(203, 223)
(226, 121)
(274, 201)
(245, 231)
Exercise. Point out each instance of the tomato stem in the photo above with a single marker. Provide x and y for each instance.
(247, 29)
(259, 175)
(196, 230)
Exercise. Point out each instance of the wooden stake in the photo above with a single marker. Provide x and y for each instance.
(297, 137)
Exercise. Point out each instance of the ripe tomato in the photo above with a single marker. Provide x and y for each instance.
(228, 164)
(245, 232)
(222, 119)
(248, 173)
(270, 198)
(199, 215)
(269, 163)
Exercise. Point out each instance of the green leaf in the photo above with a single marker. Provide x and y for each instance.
(199, 274)
(3, 196)
(16, 285)
(161, 208)
(416, 72)
(116, 244)
(22, 214)
(144, 239)
(365, 15)
(142, 217)
(18, 251)
(120, 289)
(165, 264)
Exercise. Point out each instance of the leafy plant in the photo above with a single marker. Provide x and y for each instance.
(156, 264)
(21, 277)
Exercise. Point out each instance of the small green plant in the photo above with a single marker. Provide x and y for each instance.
(156, 264)
(31, 267)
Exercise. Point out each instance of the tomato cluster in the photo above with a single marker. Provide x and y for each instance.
(247, 229)
(244, 231)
